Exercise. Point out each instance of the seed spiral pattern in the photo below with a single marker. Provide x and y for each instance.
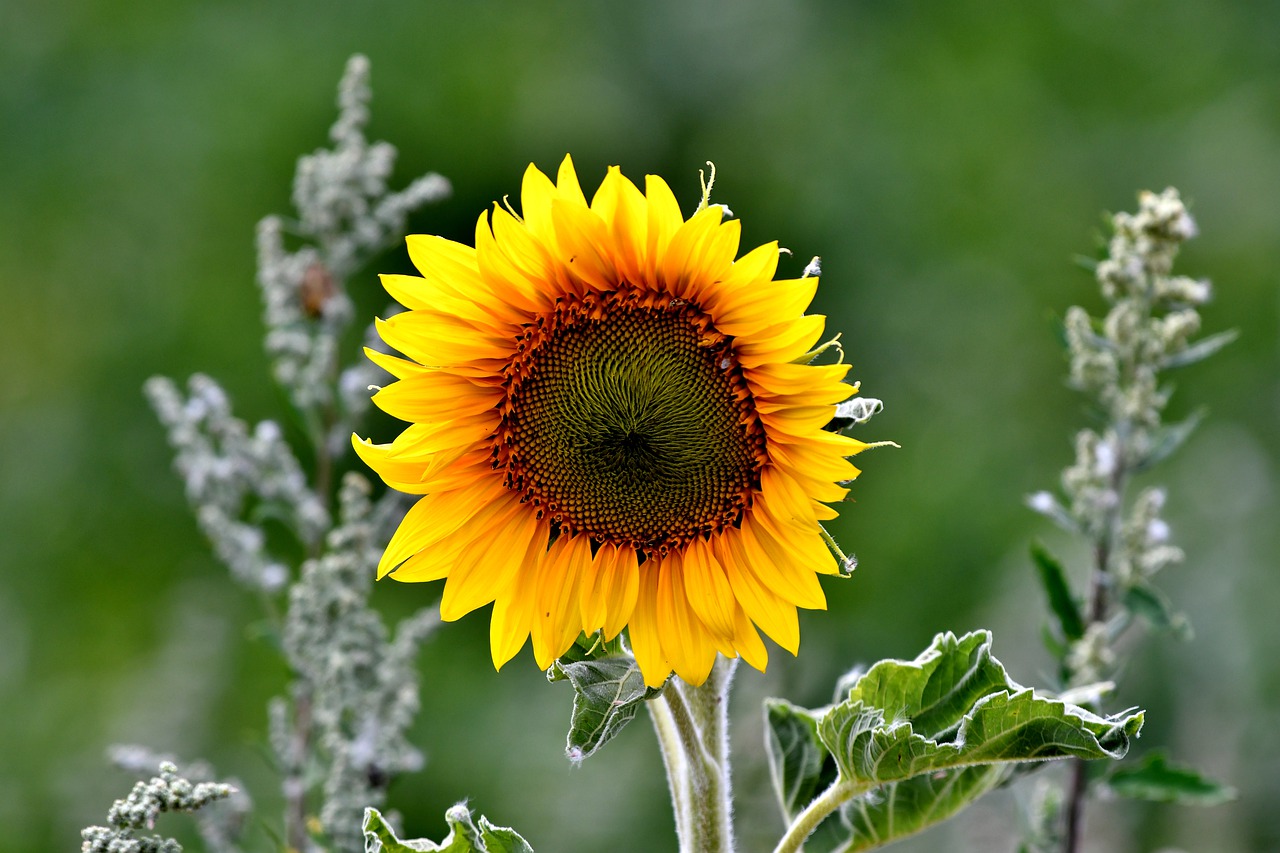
(627, 418)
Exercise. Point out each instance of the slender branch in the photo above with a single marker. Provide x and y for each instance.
(815, 813)
(294, 784)
(1099, 608)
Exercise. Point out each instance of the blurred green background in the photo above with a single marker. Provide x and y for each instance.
(946, 160)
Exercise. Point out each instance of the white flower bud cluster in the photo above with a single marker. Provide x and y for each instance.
(168, 792)
(220, 828)
(1090, 482)
(1144, 541)
(345, 214)
(1118, 360)
(1091, 658)
(222, 464)
(358, 686)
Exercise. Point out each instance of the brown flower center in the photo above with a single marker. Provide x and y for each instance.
(627, 418)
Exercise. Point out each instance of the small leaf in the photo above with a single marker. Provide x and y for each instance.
(1200, 350)
(1152, 605)
(1061, 601)
(464, 836)
(1168, 439)
(607, 693)
(501, 839)
(587, 647)
(799, 765)
(1154, 778)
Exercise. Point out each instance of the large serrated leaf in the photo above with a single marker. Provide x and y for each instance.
(799, 764)
(955, 706)
(607, 693)
(1154, 778)
(905, 808)
(466, 835)
(1063, 604)
(916, 741)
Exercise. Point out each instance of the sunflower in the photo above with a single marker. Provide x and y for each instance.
(613, 424)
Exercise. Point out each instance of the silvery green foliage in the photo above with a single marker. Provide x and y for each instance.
(355, 691)
(1119, 361)
(220, 827)
(225, 465)
(345, 214)
(168, 792)
(339, 737)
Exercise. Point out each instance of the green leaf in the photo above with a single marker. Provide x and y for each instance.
(799, 764)
(917, 741)
(465, 836)
(905, 808)
(1061, 601)
(1167, 439)
(1201, 349)
(607, 693)
(1154, 778)
(1154, 607)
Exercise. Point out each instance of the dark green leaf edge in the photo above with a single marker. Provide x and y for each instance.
(1061, 601)
(1154, 778)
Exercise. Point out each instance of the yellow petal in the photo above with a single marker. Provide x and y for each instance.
(435, 517)
(707, 589)
(781, 343)
(747, 641)
(485, 568)
(787, 500)
(567, 183)
(536, 193)
(645, 634)
(583, 245)
(437, 340)
(770, 561)
(753, 309)
(700, 252)
(625, 211)
(436, 397)
(513, 608)
(623, 585)
(775, 616)
(684, 639)
(558, 620)
(664, 218)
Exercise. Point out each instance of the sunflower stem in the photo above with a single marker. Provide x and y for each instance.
(693, 730)
(664, 726)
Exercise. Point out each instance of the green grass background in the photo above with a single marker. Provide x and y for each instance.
(947, 161)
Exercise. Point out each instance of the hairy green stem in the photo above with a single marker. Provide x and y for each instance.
(815, 813)
(692, 727)
(664, 726)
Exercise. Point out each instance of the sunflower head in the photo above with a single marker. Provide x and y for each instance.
(613, 423)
